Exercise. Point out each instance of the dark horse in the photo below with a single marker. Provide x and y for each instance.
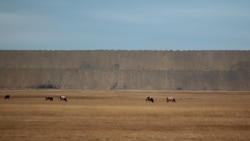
(63, 98)
(50, 98)
(7, 97)
(150, 99)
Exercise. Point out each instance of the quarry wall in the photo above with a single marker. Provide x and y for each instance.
(126, 70)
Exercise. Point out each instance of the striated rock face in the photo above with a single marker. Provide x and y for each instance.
(105, 70)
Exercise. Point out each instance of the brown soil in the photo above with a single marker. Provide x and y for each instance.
(124, 116)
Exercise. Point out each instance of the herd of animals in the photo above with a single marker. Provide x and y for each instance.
(50, 98)
(64, 98)
(169, 99)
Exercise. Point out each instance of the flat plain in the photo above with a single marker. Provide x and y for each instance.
(124, 116)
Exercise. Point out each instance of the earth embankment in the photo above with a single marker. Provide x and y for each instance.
(105, 70)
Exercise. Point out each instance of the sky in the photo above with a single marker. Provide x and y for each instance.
(124, 25)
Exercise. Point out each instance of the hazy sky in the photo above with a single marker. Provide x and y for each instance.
(125, 24)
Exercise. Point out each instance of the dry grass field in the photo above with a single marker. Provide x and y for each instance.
(124, 116)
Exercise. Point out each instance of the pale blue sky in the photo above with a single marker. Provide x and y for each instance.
(125, 24)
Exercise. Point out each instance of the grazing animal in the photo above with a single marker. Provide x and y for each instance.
(150, 99)
(63, 98)
(171, 99)
(50, 98)
(7, 97)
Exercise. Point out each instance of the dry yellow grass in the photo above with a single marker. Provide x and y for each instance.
(124, 115)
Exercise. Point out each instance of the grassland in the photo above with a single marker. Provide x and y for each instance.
(124, 116)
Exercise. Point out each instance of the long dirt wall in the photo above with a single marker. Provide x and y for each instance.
(106, 70)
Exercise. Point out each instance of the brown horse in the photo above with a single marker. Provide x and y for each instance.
(7, 97)
(50, 98)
